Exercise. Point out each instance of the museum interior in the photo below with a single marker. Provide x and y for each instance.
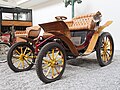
(59, 44)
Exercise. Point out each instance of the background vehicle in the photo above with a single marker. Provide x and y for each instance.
(6, 40)
(11, 20)
(22, 55)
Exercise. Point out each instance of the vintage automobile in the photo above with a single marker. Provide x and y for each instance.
(63, 40)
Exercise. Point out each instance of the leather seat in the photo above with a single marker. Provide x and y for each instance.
(82, 22)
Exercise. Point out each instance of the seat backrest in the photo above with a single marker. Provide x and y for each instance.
(33, 31)
(84, 22)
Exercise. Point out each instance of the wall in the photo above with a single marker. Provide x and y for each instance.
(109, 8)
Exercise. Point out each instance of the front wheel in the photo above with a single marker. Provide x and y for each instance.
(105, 49)
(21, 57)
(4, 48)
(51, 62)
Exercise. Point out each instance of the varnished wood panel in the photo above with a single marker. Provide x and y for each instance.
(16, 23)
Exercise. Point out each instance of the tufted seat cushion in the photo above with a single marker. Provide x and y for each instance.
(82, 22)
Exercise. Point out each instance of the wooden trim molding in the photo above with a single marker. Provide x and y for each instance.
(16, 23)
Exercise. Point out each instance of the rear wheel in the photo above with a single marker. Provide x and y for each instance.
(51, 62)
(105, 49)
(21, 57)
(4, 48)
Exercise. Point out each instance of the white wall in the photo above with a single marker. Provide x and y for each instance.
(109, 8)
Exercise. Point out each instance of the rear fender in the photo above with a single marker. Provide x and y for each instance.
(95, 37)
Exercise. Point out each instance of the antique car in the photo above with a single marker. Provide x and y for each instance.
(63, 40)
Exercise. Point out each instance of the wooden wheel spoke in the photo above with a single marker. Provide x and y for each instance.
(23, 64)
(16, 57)
(21, 48)
(16, 60)
(107, 57)
(57, 54)
(108, 54)
(49, 55)
(28, 53)
(59, 59)
(25, 50)
(102, 49)
(53, 53)
(60, 65)
(104, 57)
(48, 71)
(17, 52)
(48, 65)
(108, 45)
(53, 73)
(57, 71)
(46, 60)
(61, 53)
(102, 54)
(18, 65)
(31, 57)
(28, 61)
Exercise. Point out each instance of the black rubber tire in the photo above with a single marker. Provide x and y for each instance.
(41, 54)
(98, 49)
(8, 45)
(5, 43)
(10, 54)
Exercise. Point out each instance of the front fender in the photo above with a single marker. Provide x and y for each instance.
(67, 41)
(60, 30)
(94, 38)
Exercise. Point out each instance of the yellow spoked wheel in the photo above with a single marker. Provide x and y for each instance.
(50, 62)
(105, 49)
(21, 57)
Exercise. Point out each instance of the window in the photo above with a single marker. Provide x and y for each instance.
(24, 16)
(7, 16)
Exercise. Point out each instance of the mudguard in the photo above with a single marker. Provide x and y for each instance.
(60, 30)
(94, 38)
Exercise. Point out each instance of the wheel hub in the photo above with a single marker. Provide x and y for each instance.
(53, 62)
(22, 57)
